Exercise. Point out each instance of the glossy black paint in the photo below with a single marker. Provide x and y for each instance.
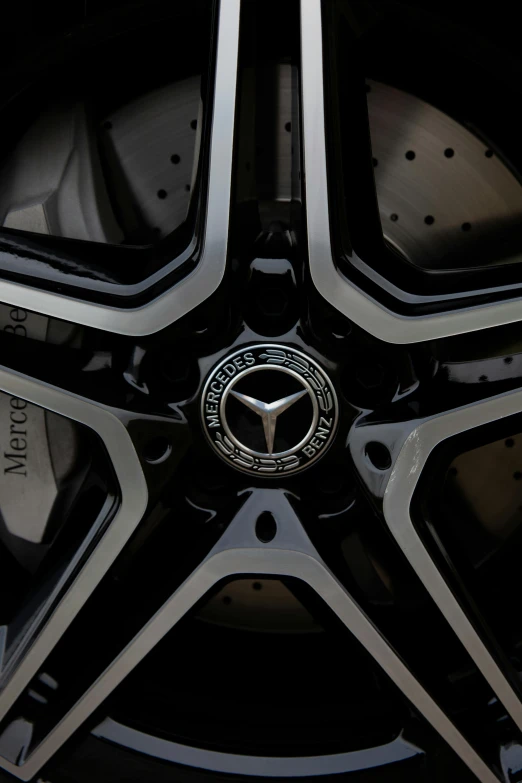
(154, 385)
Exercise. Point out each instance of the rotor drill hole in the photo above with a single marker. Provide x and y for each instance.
(175, 159)
(410, 155)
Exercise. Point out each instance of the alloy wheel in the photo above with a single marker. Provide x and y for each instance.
(261, 358)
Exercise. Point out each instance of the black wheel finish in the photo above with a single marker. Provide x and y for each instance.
(210, 686)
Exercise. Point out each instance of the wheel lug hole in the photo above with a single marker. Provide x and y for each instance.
(266, 527)
(157, 450)
(378, 454)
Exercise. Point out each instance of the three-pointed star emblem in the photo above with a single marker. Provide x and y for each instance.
(269, 411)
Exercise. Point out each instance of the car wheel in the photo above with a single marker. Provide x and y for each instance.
(260, 407)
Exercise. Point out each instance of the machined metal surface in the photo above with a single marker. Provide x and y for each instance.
(61, 606)
(410, 461)
(290, 553)
(262, 766)
(243, 553)
(205, 278)
(343, 295)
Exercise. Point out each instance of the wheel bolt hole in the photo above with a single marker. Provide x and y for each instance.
(378, 455)
(157, 450)
(266, 527)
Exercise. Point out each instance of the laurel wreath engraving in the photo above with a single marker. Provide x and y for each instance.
(259, 464)
(304, 368)
(325, 401)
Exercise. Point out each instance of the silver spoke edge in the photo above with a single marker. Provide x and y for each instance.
(398, 749)
(203, 281)
(132, 506)
(290, 554)
(343, 295)
(397, 499)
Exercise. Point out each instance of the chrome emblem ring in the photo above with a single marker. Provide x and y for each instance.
(269, 409)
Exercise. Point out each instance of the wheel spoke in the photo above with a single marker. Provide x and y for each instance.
(101, 547)
(180, 457)
(211, 254)
(379, 320)
(289, 553)
(410, 445)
